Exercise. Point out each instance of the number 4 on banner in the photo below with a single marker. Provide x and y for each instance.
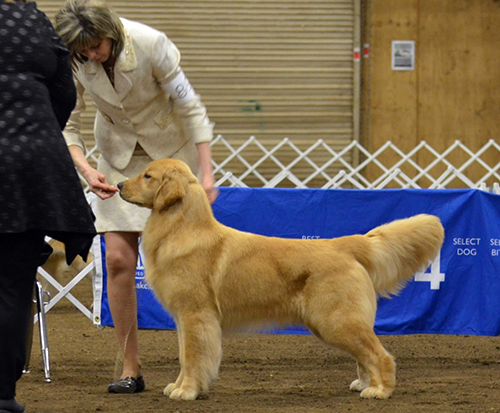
(435, 277)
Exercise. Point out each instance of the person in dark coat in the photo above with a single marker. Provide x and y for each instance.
(40, 192)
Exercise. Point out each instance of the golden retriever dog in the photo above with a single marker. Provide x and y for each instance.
(213, 278)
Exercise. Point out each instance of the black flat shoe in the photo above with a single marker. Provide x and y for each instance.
(11, 406)
(127, 385)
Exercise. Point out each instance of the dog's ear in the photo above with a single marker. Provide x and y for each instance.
(171, 190)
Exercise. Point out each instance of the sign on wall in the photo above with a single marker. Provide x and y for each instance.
(403, 55)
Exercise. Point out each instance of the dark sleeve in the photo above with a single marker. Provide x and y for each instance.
(62, 89)
(61, 85)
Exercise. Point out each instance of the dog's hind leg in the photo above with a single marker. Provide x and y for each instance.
(347, 323)
(380, 366)
(200, 355)
(363, 380)
(376, 367)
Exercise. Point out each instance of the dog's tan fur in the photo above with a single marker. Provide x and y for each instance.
(211, 278)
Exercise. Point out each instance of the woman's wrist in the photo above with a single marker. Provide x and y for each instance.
(84, 169)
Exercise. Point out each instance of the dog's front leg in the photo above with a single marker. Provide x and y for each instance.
(172, 386)
(200, 354)
(168, 390)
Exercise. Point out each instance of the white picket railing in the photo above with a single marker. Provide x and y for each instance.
(345, 173)
(336, 170)
(351, 175)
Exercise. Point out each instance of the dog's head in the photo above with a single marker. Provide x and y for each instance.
(160, 185)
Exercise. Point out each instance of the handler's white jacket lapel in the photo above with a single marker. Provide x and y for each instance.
(137, 109)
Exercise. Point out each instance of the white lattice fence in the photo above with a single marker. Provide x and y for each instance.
(319, 165)
(336, 170)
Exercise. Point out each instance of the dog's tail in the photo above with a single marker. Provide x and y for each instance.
(399, 249)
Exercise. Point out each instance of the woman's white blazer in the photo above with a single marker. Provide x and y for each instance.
(139, 109)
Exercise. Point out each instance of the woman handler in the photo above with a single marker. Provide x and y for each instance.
(40, 192)
(146, 110)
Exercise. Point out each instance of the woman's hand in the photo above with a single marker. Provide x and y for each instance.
(97, 183)
(208, 181)
(207, 173)
(95, 179)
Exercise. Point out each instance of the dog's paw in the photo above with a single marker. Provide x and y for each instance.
(376, 393)
(358, 385)
(167, 391)
(184, 394)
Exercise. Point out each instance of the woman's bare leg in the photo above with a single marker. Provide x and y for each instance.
(121, 263)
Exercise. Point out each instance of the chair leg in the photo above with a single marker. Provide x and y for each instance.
(29, 344)
(42, 323)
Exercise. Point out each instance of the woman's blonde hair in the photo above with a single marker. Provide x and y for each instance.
(83, 23)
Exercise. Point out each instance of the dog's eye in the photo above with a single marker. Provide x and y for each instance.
(147, 176)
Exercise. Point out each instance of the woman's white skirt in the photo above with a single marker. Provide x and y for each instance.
(115, 214)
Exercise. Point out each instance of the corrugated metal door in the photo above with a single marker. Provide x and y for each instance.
(265, 68)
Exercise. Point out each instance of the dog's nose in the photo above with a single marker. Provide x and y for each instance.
(120, 185)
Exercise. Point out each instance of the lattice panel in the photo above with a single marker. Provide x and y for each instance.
(322, 166)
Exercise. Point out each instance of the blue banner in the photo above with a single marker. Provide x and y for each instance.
(458, 294)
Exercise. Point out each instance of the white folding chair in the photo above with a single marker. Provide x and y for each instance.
(38, 314)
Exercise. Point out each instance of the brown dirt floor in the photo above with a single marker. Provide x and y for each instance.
(259, 373)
